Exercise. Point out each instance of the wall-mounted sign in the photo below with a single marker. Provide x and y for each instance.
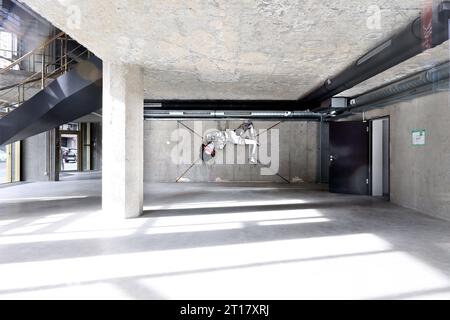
(419, 137)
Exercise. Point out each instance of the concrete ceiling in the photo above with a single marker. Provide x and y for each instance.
(234, 49)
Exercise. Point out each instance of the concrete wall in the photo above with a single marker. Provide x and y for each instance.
(96, 143)
(34, 158)
(167, 155)
(420, 175)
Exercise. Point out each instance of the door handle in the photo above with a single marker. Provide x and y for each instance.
(332, 158)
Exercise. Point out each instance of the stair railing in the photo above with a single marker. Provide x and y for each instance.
(49, 71)
(36, 51)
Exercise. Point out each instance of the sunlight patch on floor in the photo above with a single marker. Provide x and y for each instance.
(157, 264)
(363, 276)
(223, 204)
(250, 216)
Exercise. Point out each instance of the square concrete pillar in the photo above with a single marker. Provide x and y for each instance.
(123, 140)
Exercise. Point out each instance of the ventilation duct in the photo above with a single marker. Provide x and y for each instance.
(406, 44)
(418, 83)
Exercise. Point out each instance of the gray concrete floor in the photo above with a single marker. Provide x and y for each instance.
(217, 241)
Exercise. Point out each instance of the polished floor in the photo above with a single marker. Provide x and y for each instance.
(217, 241)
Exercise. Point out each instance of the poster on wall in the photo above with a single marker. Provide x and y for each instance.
(419, 137)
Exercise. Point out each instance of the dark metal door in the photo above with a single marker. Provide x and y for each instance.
(349, 157)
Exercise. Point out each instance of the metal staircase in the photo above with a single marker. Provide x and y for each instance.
(56, 89)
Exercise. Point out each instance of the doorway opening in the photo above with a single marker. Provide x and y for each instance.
(79, 149)
(69, 151)
(380, 158)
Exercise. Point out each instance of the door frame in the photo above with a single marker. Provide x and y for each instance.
(386, 117)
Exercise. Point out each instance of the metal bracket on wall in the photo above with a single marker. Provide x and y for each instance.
(185, 173)
(192, 130)
(267, 130)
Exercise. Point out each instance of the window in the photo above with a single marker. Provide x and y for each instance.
(10, 163)
(8, 49)
(3, 158)
(70, 127)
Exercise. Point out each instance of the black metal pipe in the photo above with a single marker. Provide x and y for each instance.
(400, 47)
(268, 105)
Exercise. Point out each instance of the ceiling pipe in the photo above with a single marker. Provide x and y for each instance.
(425, 79)
(407, 88)
(153, 114)
(404, 45)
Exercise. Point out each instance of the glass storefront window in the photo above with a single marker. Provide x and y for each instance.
(10, 163)
(3, 158)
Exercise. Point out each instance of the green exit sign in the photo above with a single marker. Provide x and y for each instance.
(419, 137)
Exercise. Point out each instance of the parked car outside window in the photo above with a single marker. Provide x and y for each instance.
(69, 155)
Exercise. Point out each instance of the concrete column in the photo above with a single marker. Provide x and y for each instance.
(53, 155)
(123, 140)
